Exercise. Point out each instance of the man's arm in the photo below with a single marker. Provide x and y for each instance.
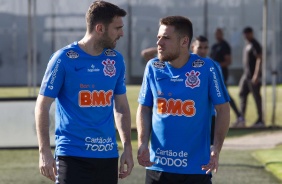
(227, 61)
(257, 68)
(47, 164)
(226, 56)
(222, 121)
(123, 123)
(149, 53)
(144, 124)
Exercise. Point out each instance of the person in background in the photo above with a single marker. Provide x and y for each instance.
(200, 46)
(149, 53)
(251, 78)
(175, 105)
(221, 53)
(86, 78)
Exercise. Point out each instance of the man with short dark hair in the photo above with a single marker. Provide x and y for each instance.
(175, 106)
(86, 78)
(200, 46)
(251, 78)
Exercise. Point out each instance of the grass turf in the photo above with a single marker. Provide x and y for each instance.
(236, 166)
(21, 167)
(271, 159)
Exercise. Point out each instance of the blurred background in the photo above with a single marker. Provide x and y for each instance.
(31, 30)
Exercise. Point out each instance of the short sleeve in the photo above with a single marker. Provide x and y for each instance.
(227, 49)
(257, 49)
(217, 90)
(54, 77)
(120, 87)
(145, 94)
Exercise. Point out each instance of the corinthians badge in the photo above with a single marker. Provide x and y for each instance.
(192, 79)
(109, 67)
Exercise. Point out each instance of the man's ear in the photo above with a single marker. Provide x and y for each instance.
(192, 47)
(185, 41)
(100, 28)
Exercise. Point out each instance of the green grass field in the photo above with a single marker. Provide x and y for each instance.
(236, 166)
(272, 159)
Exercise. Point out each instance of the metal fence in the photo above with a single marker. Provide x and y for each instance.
(31, 30)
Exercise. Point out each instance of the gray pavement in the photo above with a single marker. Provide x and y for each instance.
(262, 140)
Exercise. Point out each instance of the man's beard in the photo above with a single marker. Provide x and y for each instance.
(168, 57)
(106, 41)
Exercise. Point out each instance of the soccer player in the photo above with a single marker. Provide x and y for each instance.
(86, 79)
(200, 46)
(175, 105)
(221, 53)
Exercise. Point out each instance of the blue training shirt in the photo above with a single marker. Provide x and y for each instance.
(84, 87)
(182, 100)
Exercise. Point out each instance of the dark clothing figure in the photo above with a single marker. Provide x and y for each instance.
(251, 50)
(218, 52)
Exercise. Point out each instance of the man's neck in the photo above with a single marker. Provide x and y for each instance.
(90, 46)
(181, 60)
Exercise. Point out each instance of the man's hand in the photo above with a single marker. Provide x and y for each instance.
(213, 164)
(126, 159)
(47, 165)
(255, 79)
(143, 156)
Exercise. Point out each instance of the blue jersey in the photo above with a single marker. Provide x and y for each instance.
(213, 109)
(84, 87)
(182, 100)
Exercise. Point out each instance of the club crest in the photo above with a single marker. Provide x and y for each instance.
(109, 67)
(159, 64)
(110, 52)
(73, 55)
(198, 63)
(192, 79)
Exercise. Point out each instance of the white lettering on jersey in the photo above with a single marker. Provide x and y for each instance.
(171, 158)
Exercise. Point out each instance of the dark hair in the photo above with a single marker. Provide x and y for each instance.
(219, 30)
(183, 26)
(102, 12)
(247, 30)
(201, 38)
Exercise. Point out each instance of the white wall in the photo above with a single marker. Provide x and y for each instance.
(18, 124)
